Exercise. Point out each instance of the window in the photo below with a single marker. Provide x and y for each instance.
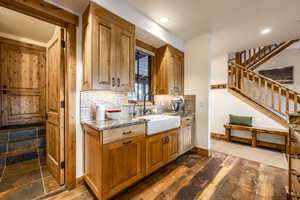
(142, 77)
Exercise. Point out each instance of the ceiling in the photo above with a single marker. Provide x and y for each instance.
(17, 24)
(190, 18)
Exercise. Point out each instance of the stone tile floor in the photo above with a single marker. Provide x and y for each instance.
(26, 180)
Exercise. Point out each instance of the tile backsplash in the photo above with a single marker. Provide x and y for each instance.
(111, 100)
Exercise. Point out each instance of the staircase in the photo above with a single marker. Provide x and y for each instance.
(252, 58)
(266, 95)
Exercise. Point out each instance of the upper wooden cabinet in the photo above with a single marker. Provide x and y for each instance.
(108, 51)
(169, 71)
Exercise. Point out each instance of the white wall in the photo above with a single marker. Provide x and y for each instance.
(286, 58)
(196, 82)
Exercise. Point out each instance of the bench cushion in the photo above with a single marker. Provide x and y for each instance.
(240, 120)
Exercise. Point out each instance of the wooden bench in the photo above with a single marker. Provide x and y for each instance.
(254, 130)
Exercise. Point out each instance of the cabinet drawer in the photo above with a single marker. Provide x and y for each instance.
(295, 135)
(295, 164)
(117, 134)
(187, 121)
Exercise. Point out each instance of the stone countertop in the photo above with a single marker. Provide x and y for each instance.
(111, 124)
(181, 114)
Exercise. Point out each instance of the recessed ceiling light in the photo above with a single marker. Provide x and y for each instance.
(163, 20)
(265, 31)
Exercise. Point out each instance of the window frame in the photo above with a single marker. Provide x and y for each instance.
(148, 49)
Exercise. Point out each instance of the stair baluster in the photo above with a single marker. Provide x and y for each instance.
(262, 90)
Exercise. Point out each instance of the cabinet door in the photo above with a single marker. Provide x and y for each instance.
(123, 164)
(186, 138)
(124, 63)
(178, 75)
(155, 157)
(101, 54)
(172, 145)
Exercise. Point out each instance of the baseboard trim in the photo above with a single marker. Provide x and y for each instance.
(269, 145)
(218, 136)
(79, 181)
(203, 152)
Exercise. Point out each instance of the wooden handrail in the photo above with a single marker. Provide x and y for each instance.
(263, 77)
(254, 57)
(262, 89)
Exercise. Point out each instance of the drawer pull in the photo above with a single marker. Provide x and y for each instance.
(294, 173)
(128, 142)
(295, 156)
(294, 140)
(127, 132)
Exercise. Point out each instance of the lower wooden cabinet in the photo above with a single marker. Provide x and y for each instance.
(186, 134)
(123, 164)
(155, 152)
(161, 149)
(112, 167)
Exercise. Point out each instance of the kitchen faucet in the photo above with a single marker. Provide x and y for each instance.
(145, 96)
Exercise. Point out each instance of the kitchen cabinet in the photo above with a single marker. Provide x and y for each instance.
(108, 51)
(161, 149)
(155, 146)
(169, 71)
(113, 159)
(123, 164)
(186, 134)
(116, 158)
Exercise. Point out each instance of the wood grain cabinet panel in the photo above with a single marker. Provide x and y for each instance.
(172, 145)
(186, 138)
(108, 52)
(155, 152)
(123, 164)
(169, 73)
(161, 149)
(110, 168)
(92, 160)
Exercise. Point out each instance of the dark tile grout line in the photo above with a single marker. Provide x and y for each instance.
(41, 171)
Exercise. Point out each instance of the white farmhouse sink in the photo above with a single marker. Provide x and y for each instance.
(160, 123)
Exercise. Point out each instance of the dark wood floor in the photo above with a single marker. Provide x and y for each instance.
(191, 177)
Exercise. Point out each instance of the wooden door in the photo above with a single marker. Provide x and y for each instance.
(171, 145)
(23, 83)
(186, 138)
(102, 54)
(125, 57)
(155, 156)
(55, 107)
(123, 164)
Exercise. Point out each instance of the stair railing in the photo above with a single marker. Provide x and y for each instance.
(263, 90)
(252, 57)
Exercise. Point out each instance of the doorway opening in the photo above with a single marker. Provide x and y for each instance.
(32, 101)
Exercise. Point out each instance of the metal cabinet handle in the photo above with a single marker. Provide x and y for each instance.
(293, 140)
(113, 81)
(118, 82)
(128, 142)
(127, 132)
(294, 156)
